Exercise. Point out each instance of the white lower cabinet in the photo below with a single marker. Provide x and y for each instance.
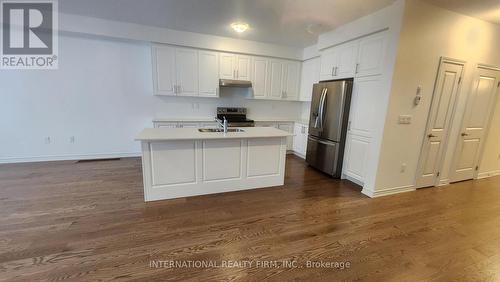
(355, 157)
(289, 128)
(300, 139)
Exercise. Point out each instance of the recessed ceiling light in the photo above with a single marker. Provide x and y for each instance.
(239, 27)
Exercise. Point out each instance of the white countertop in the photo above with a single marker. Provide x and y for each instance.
(158, 134)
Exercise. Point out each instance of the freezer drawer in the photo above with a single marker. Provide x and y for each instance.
(323, 155)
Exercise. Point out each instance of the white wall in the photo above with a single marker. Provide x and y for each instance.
(102, 95)
(74, 24)
(428, 33)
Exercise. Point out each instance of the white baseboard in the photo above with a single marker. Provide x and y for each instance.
(69, 157)
(352, 179)
(443, 182)
(299, 155)
(487, 174)
(388, 191)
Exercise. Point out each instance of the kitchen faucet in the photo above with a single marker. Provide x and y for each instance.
(222, 124)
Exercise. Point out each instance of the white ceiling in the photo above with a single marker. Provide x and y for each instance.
(287, 22)
(488, 10)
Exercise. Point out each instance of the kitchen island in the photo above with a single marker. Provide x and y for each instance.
(181, 162)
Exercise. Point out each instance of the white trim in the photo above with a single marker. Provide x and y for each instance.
(352, 179)
(388, 191)
(69, 157)
(443, 182)
(299, 155)
(487, 174)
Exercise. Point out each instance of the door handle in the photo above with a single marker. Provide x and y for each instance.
(431, 135)
(464, 134)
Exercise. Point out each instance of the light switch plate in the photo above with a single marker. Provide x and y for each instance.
(404, 119)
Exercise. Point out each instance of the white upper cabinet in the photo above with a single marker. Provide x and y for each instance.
(362, 57)
(208, 73)
(180, 71)
(276, 79)
(371, 55)
(227, 66)
(186, 63)
(328, 63)
(339, 62)
(346, 60)
(309, 76)
(243, 67)
(164, 70)
(291, 80)
(234, 66)
(260, 77)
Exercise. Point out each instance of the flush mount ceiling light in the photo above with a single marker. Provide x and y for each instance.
(239, 27)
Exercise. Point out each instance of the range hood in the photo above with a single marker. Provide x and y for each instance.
(235, 83)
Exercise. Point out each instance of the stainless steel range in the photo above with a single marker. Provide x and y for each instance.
(236, 117)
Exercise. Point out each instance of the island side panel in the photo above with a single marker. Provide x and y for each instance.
(175, 169)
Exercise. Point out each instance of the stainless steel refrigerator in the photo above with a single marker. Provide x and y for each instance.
(328, 122)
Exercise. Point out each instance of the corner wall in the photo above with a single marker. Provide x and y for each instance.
(429, 32)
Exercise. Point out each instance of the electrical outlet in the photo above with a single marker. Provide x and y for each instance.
(403, 168)
(404, 119)
(48, 140)
(72, 139)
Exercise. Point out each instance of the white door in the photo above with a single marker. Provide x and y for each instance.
(477, 116)
(164, 70)
(186, 67)
(309, 76)
(227, 66)
(291, 79)
(371, 55)
(346, 60)
(438, 122)
(243, 67)
(208, 73)
(276, 79)
(328, 63)
(260, 77)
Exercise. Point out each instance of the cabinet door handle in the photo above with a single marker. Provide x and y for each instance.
(357, 67)
(237, 73)
(349, 126)
(464, 134)
(336, 70)
(431, 135)
(333, 71)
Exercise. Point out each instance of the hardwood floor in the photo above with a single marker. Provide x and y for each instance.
(87, 221)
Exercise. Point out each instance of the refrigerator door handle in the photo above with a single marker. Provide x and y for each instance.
(317, 120)
(322, 107)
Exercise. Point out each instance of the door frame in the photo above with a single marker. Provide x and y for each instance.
(462, 121)
(446, 137)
